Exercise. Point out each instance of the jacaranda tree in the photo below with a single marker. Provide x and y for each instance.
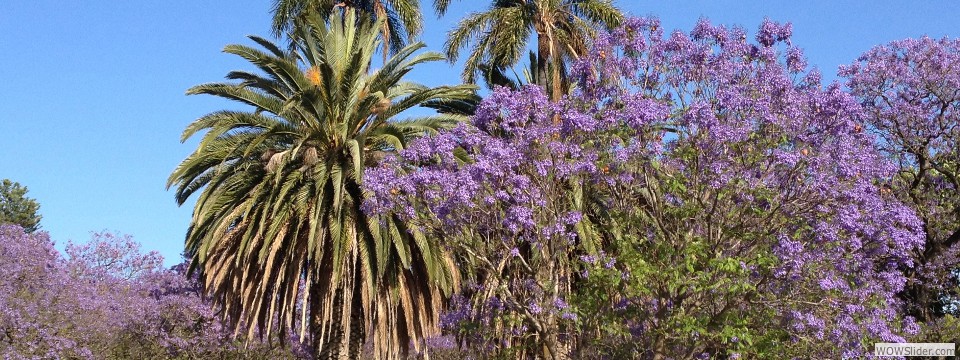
(277, 229)
(106, 300)
(910, 91)
(702, 196)
(506, 210)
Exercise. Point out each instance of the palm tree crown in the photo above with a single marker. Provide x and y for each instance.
(277, 233)
(401, 20)
(499, 35)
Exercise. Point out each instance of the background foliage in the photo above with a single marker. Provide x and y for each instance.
(107, 300)
(17, 208)
(701, 196)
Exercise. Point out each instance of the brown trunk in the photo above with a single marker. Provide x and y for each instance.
(548, 61)
(357, 333)
(557, 92)
(332, 347)
(923, 300)
(553, 347)
(543, 53)
(659, 349)
(329, 347)
(339, 343)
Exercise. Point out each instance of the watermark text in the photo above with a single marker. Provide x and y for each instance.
(914, 349)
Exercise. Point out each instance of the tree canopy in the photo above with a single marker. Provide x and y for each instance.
(700, 196)
(17, 208)
(278, 227)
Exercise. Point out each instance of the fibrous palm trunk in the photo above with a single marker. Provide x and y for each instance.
(337, 339)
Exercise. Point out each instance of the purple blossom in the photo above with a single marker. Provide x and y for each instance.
(908, 91)
(559, 304)
(590, 259)
(534, 308)
(681, 140)
(104, 297)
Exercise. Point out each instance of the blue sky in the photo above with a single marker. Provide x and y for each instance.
(92, 97)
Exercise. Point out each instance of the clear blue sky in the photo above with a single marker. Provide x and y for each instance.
(92, 93)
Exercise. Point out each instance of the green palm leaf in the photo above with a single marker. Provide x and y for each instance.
(279, 190)
(498, 38)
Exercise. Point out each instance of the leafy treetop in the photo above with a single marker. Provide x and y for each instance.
(17, 208)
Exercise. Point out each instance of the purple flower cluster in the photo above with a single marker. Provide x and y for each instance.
(104, 299)
(497, 187)
(512, 146)
(910, 92)
(743, 127)
(782, 178)
(740, 125)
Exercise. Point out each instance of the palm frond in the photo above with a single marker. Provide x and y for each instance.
(278, 204)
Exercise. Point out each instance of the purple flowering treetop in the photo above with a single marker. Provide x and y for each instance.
(105, 300)
(701, 195)
(910, 91)
(510, 208)
(111, 256)
(760, 190)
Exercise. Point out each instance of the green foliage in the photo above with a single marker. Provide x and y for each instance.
(499, 37)
(698, 286)
(945, 329)
(278, 225)
(17, 208)
(401, 21)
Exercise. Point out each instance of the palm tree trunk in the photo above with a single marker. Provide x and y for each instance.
(357, 331)
(329, 347)
(381, 13)
(557, 93)
(339, 343)
(547, 61)
(543, 61)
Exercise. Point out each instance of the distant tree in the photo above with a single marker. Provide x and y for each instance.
(910, 91)
(401, 20)
(17, 208)
(498, 38)
(107, 300)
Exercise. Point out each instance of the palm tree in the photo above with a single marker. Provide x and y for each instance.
(499, 36)
(492, 77)
(402, 19)
(278, 235)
